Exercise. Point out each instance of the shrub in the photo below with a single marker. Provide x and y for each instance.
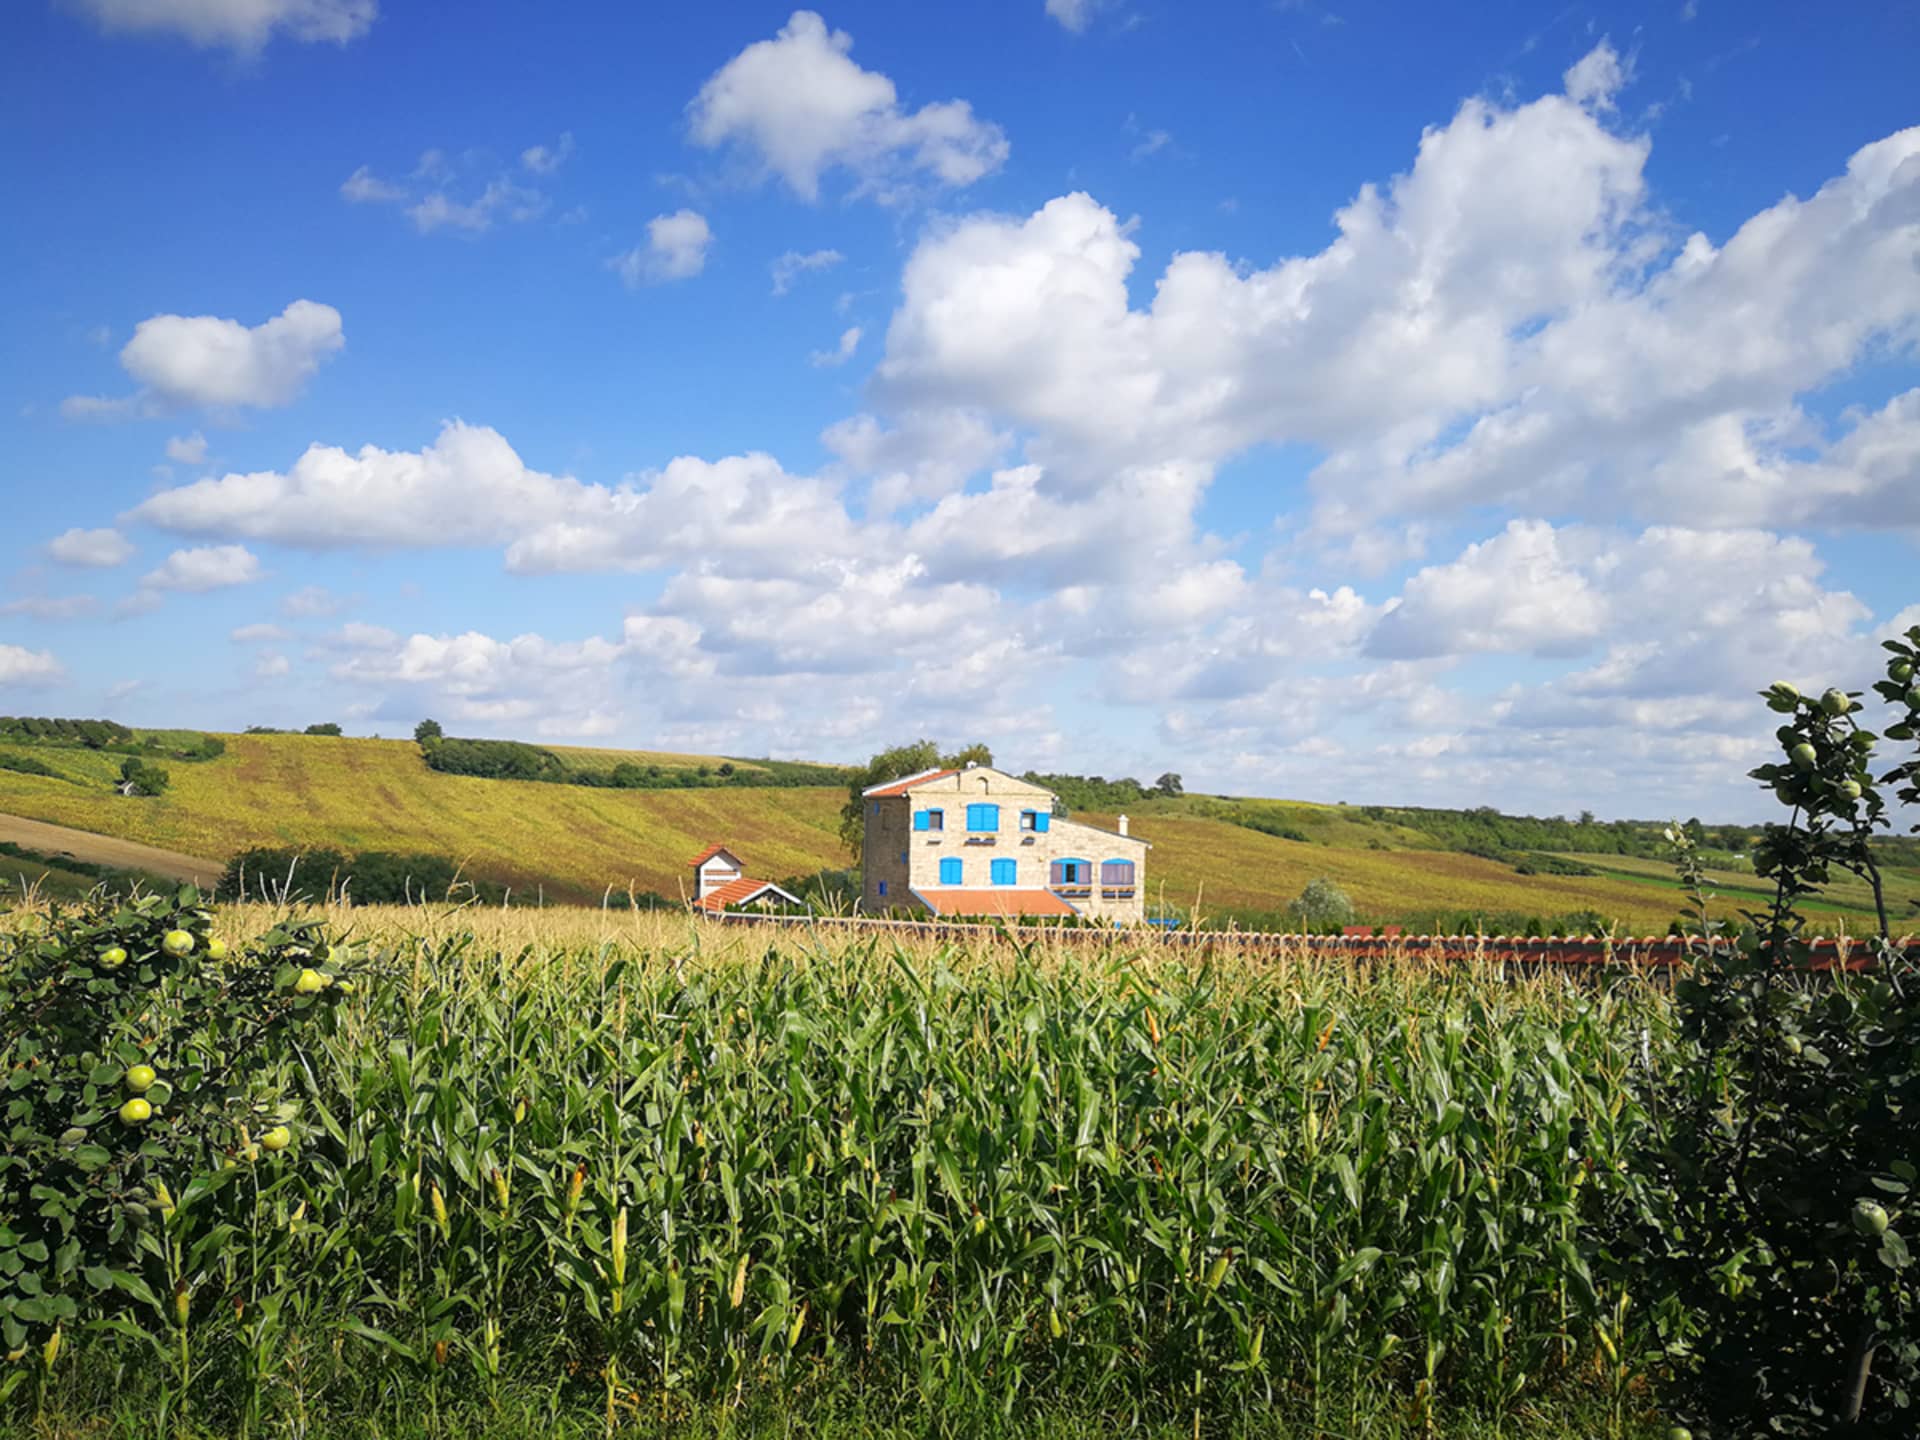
(1323, 905)
(329, 728)
(1774, 1207)
(145, 779)
(140, 1062)
(373, 877)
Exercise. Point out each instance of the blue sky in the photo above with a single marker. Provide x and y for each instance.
(1351, 402)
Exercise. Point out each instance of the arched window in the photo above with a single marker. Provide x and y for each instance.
(950, 871)
(1006, 872)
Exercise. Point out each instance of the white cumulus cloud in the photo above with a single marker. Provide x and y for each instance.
(207, 567)
(21, 666)
(801, 106)
(207, 362)
(93, 549)
(676, 249)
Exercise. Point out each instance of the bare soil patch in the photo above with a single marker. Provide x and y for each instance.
(56, 840)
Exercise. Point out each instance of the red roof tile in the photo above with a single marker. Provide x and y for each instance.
(901, 787)
(708, 853)
(995, 902)
(734, 892)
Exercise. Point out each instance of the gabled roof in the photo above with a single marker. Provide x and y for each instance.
(741, 892)
(902, 786)
(711, 851)
(1001, 900)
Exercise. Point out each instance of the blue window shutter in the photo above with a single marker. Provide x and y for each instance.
(950, 870)
(1005, 872)
(883, 887)
(983, 817)
(1041, 819)
(921, 820)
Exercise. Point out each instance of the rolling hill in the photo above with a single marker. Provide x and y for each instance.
(573, 843)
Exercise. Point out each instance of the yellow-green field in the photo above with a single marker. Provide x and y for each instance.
(574, 842)
(379, 795)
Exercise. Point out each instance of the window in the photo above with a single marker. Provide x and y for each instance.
(1006, 872)
(1116, 874)
(883, 887)
(1036, 820)
(930, 820)
(950, 871)
(903, 857)
(983, 817)
(876, 808)
(1072, 872)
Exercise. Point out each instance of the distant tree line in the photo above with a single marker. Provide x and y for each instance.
(517, 760)
(1486, 831)
(104, 735)
(371, 877)
(328, 727)
(1096, 792)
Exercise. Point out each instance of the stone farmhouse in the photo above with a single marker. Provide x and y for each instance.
(981, 842)
(720, 883)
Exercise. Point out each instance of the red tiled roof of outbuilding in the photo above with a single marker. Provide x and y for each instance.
(734, 892)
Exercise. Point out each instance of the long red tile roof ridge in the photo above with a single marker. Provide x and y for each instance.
(907, 782)
(1001, 900)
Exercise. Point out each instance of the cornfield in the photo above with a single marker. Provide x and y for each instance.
(670, 1167)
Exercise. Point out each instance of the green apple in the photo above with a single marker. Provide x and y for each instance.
(135, 1112)
(1869, 1218)
(1835, 702)
(1850, 789)
(278, 1138)
(1803, 756)
(177, 943)
(140, 1079)
(1784, 690)
(112, 958)
(216, 949)
(311, 982)
(1900, 672)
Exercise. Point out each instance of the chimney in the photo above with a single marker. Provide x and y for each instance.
(1123, 824)
(972, 763)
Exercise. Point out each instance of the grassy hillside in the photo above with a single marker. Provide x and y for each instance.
(572, 842)
(379, 795)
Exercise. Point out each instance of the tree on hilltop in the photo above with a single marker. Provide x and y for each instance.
(896, 764)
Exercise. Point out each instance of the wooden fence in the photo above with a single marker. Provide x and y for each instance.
(1650, 952)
